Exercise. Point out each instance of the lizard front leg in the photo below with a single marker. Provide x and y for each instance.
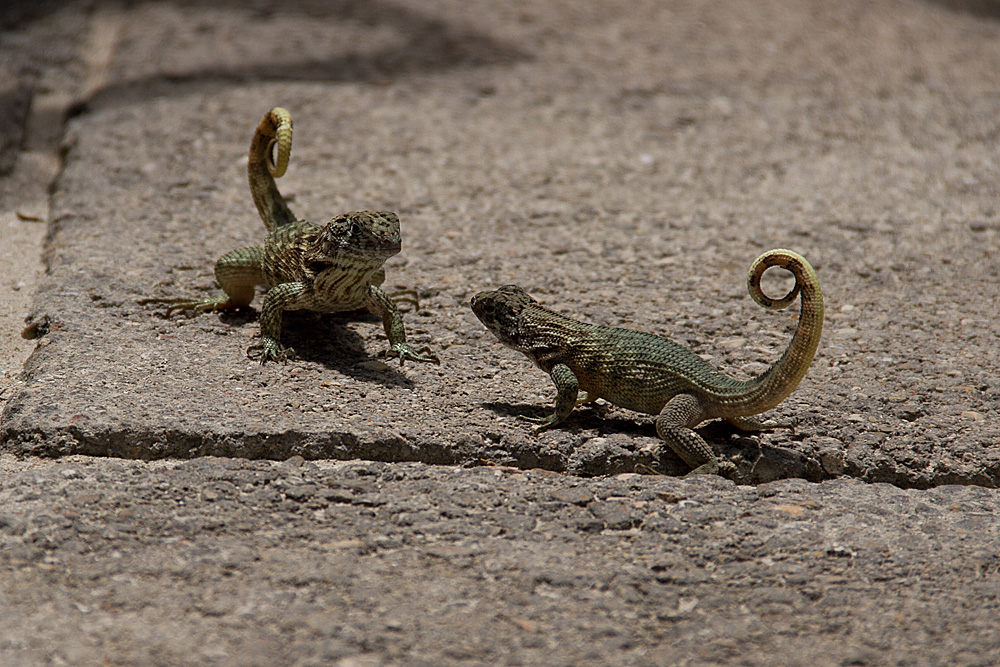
(401, 295)
(567, 390)
(286, 296)
(675, 423)
(380, 304)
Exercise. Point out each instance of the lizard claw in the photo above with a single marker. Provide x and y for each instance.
(270, 350)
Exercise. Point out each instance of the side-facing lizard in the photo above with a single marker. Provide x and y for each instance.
(646, 373)
(336, 267)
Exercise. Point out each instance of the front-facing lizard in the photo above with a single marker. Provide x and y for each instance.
(333, 268)
(646, 373)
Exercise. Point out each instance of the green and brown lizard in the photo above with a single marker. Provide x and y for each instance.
(333, 268)
(646, 373)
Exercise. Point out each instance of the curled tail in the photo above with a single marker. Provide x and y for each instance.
(266, 164)
(777, 382)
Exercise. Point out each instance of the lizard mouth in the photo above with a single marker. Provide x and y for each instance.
(478, 306)
(385, 247)
(389, 245)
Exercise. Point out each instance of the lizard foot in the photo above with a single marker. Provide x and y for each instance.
(544, 423)
(770, 425)
(723, 468)
(404, 352)
(270, 350)
(754, 425)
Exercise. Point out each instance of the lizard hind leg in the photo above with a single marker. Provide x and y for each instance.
(675, 425)
(238, 272)
(213, 303)
(747, 424)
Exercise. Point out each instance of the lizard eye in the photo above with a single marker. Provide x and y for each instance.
(354, 229)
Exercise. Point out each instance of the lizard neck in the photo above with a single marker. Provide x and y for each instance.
(275, 129)
(543, 333)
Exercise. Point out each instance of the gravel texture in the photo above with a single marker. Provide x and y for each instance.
(624, 165)
(229, 561)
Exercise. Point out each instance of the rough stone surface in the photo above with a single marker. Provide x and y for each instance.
(236, 562)
(625, 167)
(624, 164)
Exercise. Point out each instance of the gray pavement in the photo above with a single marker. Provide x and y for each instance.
(624, 165)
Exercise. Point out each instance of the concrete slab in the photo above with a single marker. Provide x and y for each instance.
(624, 163)
(236, 562)
(622, 166)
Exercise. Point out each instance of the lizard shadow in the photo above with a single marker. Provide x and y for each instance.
(326, 339)
(587, 417)
(594, 417)
(757, 461)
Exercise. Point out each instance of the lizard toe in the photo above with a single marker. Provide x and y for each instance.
(404, 352)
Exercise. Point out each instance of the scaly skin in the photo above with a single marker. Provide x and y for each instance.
(646, 373)
(326, 269)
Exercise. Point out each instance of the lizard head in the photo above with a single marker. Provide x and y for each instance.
(363, 237)
(500, 312)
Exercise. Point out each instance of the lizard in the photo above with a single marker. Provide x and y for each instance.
(305, 266)
(650, 374)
